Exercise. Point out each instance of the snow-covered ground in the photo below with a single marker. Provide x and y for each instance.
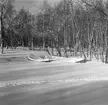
(61, 82)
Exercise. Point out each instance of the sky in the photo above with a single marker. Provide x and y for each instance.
(31, 5)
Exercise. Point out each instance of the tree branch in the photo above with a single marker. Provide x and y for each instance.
(84, 1)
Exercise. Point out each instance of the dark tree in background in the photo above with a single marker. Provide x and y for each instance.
(6, 13)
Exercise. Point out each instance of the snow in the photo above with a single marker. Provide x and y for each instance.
(58, 59)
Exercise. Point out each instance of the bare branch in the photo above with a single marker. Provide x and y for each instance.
(95, 7)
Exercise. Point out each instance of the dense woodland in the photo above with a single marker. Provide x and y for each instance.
(75, 26)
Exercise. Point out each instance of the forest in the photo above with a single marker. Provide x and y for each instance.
(70, 26)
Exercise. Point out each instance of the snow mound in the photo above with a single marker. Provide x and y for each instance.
(47, 58)
(70, 60)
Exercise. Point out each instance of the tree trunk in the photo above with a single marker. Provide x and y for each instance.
(2, 34)
(43, 42)
(90, 52)
(23, 42)
(59, 51)
(65, 44)
(52, 48)
(106, 39)
(2, 42)
(49, 51)
(32, 43)
(11, 34)
(106, 56)
(2, 49)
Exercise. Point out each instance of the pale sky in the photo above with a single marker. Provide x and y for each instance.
(32, 5)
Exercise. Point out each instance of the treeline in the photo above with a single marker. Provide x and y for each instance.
(69, 26)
